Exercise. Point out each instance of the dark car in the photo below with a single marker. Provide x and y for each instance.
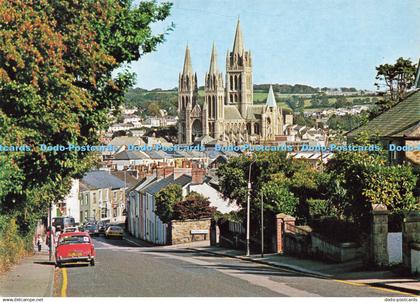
(60, 223)
(102, 227)
(92, 229)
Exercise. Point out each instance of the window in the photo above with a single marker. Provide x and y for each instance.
(94, 197)
(115, 196)
(86, 214)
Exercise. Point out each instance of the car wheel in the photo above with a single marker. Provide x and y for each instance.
(121, 237)
(58, 264)
(92, 262)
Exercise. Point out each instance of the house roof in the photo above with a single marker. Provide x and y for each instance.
(126, 177)
(100, 180)
(127, 155)
(398, 121)
(158, 185)
(126, 140)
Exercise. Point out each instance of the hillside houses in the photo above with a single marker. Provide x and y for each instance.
(143, 223)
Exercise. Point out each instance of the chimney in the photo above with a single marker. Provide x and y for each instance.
(198, 176)
(164, 171)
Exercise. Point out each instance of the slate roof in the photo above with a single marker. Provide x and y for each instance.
(155, 187)
(158, 154)
(398, 121)
(101, 180)
(127, 155)
(126, 140)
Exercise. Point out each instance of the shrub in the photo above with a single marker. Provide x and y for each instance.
(12, 245)
(195, 206)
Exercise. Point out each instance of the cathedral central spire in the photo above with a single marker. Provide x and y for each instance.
(238, 44)
(187, 62)
(213, 61)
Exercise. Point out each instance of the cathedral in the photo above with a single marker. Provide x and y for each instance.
(228, 114)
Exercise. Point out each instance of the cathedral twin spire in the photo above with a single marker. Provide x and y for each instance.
(238, 48)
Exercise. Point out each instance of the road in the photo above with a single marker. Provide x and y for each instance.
(127, 270)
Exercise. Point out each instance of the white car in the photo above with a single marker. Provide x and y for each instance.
(71, 229)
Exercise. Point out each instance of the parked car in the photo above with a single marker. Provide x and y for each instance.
(74, 247)
(114, 231)
(102, 226)
(91, 229)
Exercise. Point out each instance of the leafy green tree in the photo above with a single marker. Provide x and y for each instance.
(153, 109)
(397, 78)
(364, 179)
(58, 82)
(166, 199)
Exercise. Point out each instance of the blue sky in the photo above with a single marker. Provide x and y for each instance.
(332, 43)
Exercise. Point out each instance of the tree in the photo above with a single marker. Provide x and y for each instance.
(57, 85)
(194, 206)
(166, 199)
(153, 109)
(397, 78)
(365, 179)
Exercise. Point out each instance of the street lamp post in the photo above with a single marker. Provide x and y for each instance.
(262, 226)
(248, 208)
(50, 232)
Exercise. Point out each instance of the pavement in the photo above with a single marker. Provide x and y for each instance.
(32, 277)
(352, 271)
(134, 268)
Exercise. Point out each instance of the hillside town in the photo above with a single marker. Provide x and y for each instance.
(218, 187)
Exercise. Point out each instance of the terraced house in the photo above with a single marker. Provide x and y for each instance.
(102, 197)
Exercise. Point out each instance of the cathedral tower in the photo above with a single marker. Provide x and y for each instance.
(187, 99)
(214, 98)
(239, 90)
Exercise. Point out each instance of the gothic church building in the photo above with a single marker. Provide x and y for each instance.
(228, 114)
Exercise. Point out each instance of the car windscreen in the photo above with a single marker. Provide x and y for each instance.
(115, 229)
(74, 239)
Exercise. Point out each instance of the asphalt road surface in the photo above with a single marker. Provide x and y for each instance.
(127, 270)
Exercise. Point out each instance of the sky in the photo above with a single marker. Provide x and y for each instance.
(322, 43)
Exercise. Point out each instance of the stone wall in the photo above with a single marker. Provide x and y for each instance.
(180, 231)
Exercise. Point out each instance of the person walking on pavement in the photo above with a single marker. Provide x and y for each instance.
(39, 242)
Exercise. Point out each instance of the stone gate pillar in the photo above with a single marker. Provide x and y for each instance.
(410, 236)
(379, 235)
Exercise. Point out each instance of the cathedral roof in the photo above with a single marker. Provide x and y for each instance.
(187, 62)
(271, 100)
(213, 61)
(254, 112)
(232, 113)
(238, 44)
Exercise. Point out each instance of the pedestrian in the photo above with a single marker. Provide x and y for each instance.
(39, 242)
(47, 241)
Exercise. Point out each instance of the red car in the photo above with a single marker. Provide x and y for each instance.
(74, 247)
